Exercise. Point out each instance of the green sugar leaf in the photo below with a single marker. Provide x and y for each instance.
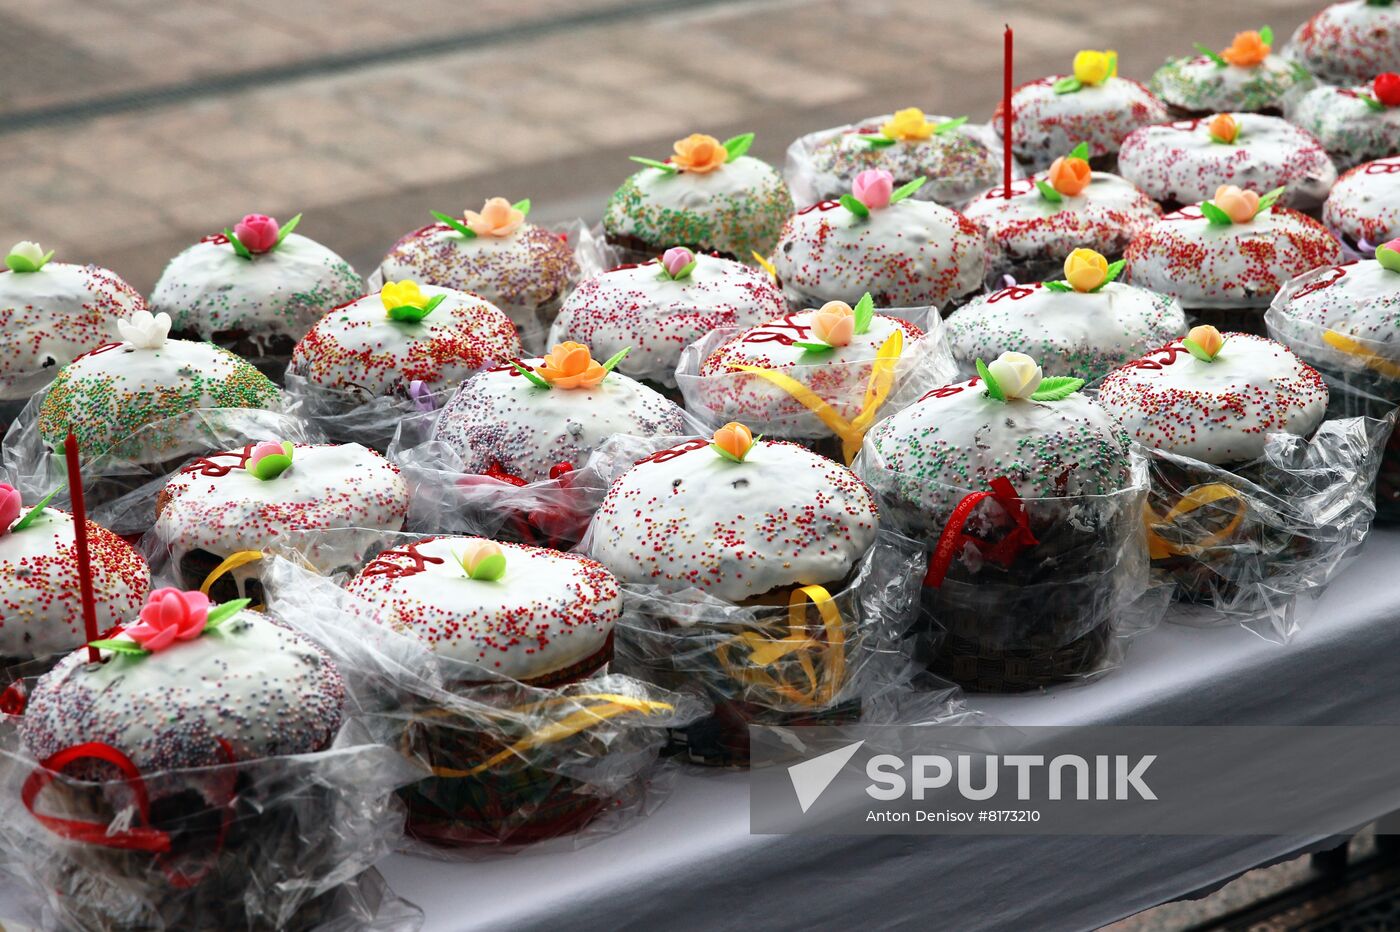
(1212, 54)
(1058, 285)
(490, 569)
(1080, 151)
(1114, 270)
(120, 647)
(523, 206)
(864, 312)
(237, 244)
(1267, 35)
(1056, 388)
(1370, 101)
(653, 163)
(616, 358)
(411, 314)
(286, 230)
(907, 189)
(224, 611)
(738, 145)
(272, 466)
(1269, 199)
(849, 202)
(726, 454)
(876, 141)
(1067, 85)
(1048, 192)
(1195, 349)
(1215, 214)
(993, 389)
(947, 126)
(33, 514)
(455, 224)
(531, 376)
(814, 347)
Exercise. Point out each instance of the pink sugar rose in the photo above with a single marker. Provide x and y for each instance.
(10, 506)
(675, 259)
(265, 449)
(170, 615)
(258, 232)
(873, 188)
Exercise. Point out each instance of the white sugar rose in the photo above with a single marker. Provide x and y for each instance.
(1017, 375)
(144, 330)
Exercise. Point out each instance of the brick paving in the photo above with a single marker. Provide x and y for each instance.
(533, 109)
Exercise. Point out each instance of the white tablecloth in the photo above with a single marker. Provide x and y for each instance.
(693, 863)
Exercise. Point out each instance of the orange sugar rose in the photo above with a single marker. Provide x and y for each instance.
(1069, 175)
(699, 153)
(1248, 49)
(734, 439)
(571, 365)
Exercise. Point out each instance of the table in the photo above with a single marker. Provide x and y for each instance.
(693, 863)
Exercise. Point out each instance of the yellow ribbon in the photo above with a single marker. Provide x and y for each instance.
(1353, 347)
(234, 561)
(611, 705)
(819, 688)
(767, 266)
(1195, 497)
(877, 389)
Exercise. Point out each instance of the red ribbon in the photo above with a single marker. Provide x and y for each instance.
(954, 537)
(13, 700)
(143, 837)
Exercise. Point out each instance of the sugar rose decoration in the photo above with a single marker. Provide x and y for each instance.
(733, 442)
(257, 234)
(1385, 91)
(699, 154)
(677, 263)
(268, 460)
(498, 218)
(10, 506)
(1086, 271)
(144, 330)
(27, 256)
(405, 301)
(1223, 128)
(1232, 204)
(1067, 176)
(1091, 68)
(909, 125)
(571, 365)
(1203, 342)
(483, 560)
(873, 188)
(1018, 377)
(1388, 255)
(169, 617)
(1248, 50)
(834, 323)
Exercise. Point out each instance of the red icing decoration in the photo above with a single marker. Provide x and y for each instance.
(1014, 293)
(768, 332)
(383, 566)
(662, 456)
(1324, 281)
(1383, 168)
(498, 472)
(206, 466)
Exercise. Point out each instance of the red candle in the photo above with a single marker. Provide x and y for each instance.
(80, 535)
(1006, 117)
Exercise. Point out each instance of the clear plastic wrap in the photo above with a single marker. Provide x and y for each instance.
(811, 182)
(359, 417)
(445, 497)
(591, 254)
(1362, 375)
(121, 490)
(1250, 539)
(1018, 593)
(272, 844)
(826, 406)
(510, 764)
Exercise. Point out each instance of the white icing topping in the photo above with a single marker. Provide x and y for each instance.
(217, 506)
(1347, 127)
(209, 289)
(1365, 203)
(1347, 42)
(111, 392)
(50, 317)
(1357, 299)
(910, 254)
(1048, 125)
(1198, 84)
(251, 684)
(1219, 265)
(957, 439)
(1105, 216)
(783, 517)
(1068, 333)
(1180, 162)
(957, 163)
(637, 306)
(500, 419)
(358, 347)
(1219, 411)
(519, 273)
(40, 607)
(550, 611)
